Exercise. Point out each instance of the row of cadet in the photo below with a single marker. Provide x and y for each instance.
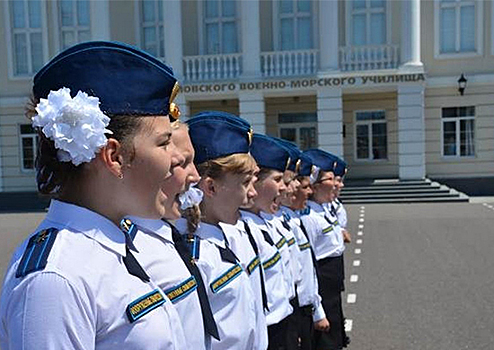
(253, 259)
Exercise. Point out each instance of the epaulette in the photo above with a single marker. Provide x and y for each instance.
(194, 244)
(36, 254)
(305, 211)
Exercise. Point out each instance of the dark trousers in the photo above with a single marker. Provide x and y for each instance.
(277, 334)
(306, 327)
(330, 276)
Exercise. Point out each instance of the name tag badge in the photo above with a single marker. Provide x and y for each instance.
(144, 305)
(226, 278)
(182, 290)
(253, 265)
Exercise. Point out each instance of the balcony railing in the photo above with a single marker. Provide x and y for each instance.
(354, 58)
(289, 63)
(212, 67)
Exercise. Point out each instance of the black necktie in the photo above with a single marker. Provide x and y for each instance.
(304, 230)
(226, 253)
(285, 224)
(261, 273)
(132, 265)
(267, 237)
(184, 252)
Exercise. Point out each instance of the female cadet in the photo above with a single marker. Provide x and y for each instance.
(327, 241)
(272, 159)
(104, 151)
(165, 259)
(310, 313)
(226, 169)
(336, 206)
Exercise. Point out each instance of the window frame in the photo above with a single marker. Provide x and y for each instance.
(34, 136)
(277, 25)
(297, 126)
(349, 26)
(139, 27)
(202, 29)
(9, 31)
(369, 123)
(76, 28)
(458, 155)
(479, 33)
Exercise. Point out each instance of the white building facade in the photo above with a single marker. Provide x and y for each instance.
(373, 81)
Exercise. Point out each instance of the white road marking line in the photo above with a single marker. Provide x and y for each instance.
(361, 220)
(348, 325)
(360, 233)
(362, 207)
(358, 251)
(359, 241)
(360, 227)
(362, 215)
(354, 278)
(356, 263)
(351, 298)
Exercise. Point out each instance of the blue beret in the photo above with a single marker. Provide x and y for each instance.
(218, 134)
(269, 153)
(294, 154)
(126, 80)
(305, 165)
(322, 159)
(340, 169)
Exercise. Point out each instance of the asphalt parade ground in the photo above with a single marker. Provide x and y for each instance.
(418, 276)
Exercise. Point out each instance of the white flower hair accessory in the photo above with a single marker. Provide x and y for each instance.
(193, 196)
(76, 125)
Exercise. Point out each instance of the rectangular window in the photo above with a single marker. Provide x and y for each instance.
(295, 23)
(299, 128)
(458, 131)
(368, 22)
(29, 141)
(371, 135)
(26, 22)
(152, 27)
(74, 21)
(457, 26)
(220, 27)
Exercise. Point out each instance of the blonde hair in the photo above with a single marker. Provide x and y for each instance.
(238, 163)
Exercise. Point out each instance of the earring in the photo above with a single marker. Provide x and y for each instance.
(120, 176)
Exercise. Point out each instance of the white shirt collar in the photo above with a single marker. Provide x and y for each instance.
(257, 220)
(315, 206)
(211, 233)
(156, 226)
(89, 223)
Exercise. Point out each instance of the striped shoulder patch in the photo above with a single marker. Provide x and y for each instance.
(281, 243)
(182, 290)
(37, 251)
(291, 241)
(271, 261)
(305, 211)
(144, 305)
(327, 229)
(253, 265)
(226, 278)
(304, 246)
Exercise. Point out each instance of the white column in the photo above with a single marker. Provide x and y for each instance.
(252, 109)
(251, 38)
(411, 132)
(410, 33)
(100, 20)
(330, 120)
(328, 35)
(173, 36)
